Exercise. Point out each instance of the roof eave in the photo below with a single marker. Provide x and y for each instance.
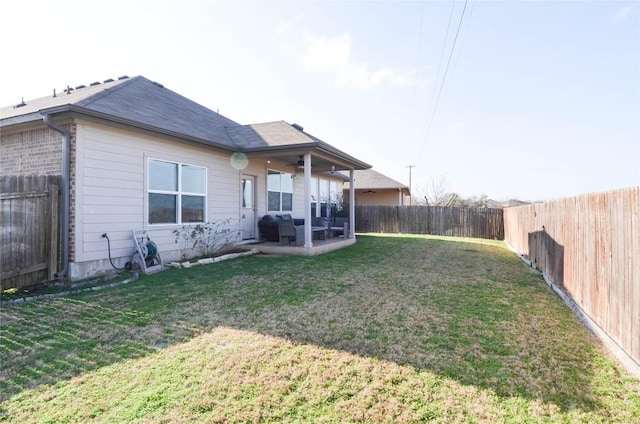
(320, 147)
(20, 119)
(281, 148)
(360, 165)
(129, 123)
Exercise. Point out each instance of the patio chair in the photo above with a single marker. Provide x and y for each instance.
(288, 232)
(320, 228)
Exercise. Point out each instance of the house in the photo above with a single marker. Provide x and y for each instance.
(374, 188)
(136, 155)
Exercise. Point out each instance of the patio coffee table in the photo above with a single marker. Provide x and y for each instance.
(336, 231)
(319, 231)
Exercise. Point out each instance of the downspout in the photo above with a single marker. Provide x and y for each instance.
(64, 217)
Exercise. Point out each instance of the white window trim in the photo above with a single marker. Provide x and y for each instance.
(179, 193)
(315, 184)
(331, 195)
(292, 191)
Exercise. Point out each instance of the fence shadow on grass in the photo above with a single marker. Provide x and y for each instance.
(467, 312)
(547, 255)
(479, 317)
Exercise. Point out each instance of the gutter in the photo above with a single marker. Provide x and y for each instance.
(301, 148)
(64, 217)
(87, 113)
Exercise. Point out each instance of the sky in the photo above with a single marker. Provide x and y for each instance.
(534, 100)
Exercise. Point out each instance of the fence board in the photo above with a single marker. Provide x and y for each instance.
(435, 220)
(589, 247)
(633, 265)
(28, 234)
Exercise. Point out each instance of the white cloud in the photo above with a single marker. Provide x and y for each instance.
(284, 25)
(326, 54)
(623, 13)
(333, 55)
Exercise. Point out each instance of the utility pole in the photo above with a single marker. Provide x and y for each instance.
(410, 195)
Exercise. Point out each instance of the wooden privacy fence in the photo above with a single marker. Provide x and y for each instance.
(589, 246)
(29, 230)
(436, 220)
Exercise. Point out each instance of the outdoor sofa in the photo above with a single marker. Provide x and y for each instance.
(269, 228)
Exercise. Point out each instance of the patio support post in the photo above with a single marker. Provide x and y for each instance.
(308, 234)
(352, 206)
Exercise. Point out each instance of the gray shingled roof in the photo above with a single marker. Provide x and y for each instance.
(62, 98)
(268, 134)
(369, 179)
(144, 104)
(136, 101)
(144, 101)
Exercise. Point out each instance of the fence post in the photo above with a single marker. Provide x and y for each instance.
(53, 231)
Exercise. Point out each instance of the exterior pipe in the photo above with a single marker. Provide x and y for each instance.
(64, 217)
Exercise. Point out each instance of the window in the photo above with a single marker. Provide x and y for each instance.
(324, 197)
(279, 191)
(314, 197)
(247, 193)
(177, 193)
(334, 197)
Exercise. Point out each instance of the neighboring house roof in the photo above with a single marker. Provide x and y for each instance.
(368, 179)
(147, 105)
(497, 204)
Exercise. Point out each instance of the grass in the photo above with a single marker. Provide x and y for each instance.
(48, 290)
(393, 329)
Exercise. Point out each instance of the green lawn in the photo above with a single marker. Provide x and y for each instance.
(393, 329)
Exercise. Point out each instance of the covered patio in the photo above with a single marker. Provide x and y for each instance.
(305, 157)
(318, 247)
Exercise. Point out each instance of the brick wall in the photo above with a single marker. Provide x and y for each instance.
(39, 152)
(31, 152)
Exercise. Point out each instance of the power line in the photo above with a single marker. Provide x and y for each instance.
(444, 77)
(444, 46)
(464, 36)
(415, 84)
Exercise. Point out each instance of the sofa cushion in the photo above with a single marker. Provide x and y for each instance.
(320, 222)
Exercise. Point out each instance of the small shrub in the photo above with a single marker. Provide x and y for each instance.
(204, 239)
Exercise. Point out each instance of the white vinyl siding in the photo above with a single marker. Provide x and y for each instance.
(111, 192)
